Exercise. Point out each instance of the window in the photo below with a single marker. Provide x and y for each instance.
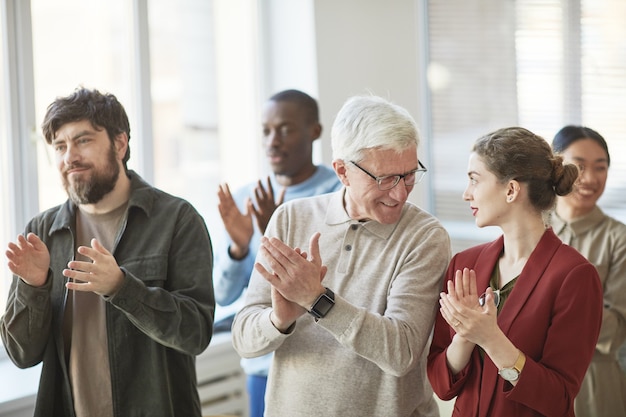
(77, 43)
(5, 214)
(195, 146)
(538, 64)
(168, 89)
(184, 102)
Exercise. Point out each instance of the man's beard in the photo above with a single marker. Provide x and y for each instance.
(93, 190)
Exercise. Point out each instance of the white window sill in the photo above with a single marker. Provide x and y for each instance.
(18, 387)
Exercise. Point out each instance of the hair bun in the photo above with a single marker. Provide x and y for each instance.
(563, 176)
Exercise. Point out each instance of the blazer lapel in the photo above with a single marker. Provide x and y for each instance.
(533, 270)
(486, 261)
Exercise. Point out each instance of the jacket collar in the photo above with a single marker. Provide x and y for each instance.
(141, 196)
(579, 225)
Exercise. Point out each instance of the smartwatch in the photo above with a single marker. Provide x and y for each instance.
(512, 374)
(323, 304)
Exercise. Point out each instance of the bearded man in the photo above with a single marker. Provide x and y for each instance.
(112, 290)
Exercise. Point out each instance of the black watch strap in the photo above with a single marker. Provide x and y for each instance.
(323, 304)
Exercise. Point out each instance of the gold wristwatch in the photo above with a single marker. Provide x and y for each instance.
(512, 374)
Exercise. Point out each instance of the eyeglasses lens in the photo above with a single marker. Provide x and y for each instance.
(496, 298)
(387, 183)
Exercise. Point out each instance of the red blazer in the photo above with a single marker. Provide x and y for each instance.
(553, 315)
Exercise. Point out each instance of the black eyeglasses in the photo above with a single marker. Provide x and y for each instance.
(389, 181)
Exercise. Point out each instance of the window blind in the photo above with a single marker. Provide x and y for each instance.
(536, 64)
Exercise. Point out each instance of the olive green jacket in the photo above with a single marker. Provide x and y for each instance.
(158, 321)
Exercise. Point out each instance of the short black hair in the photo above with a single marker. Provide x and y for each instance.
(307, 103)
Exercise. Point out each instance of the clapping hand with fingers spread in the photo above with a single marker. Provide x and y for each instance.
(266, 204)
(238, 225)
(29, 259)
(102, 275)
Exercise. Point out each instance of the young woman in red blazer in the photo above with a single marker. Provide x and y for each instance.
(520, 316)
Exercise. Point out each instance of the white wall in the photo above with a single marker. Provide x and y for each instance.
(369, 46)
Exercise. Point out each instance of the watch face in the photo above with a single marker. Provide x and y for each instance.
(323, 305)
(509, 374)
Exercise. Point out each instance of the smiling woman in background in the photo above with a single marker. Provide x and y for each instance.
(580, 223)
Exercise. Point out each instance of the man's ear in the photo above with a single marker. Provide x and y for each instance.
(316, 131)
(341, 170)
(121, 144)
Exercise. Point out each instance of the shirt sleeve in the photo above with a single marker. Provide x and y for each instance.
(26, 324)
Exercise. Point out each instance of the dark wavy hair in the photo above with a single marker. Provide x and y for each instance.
(102, 110)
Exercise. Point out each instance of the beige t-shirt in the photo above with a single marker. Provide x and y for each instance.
(88, 360)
